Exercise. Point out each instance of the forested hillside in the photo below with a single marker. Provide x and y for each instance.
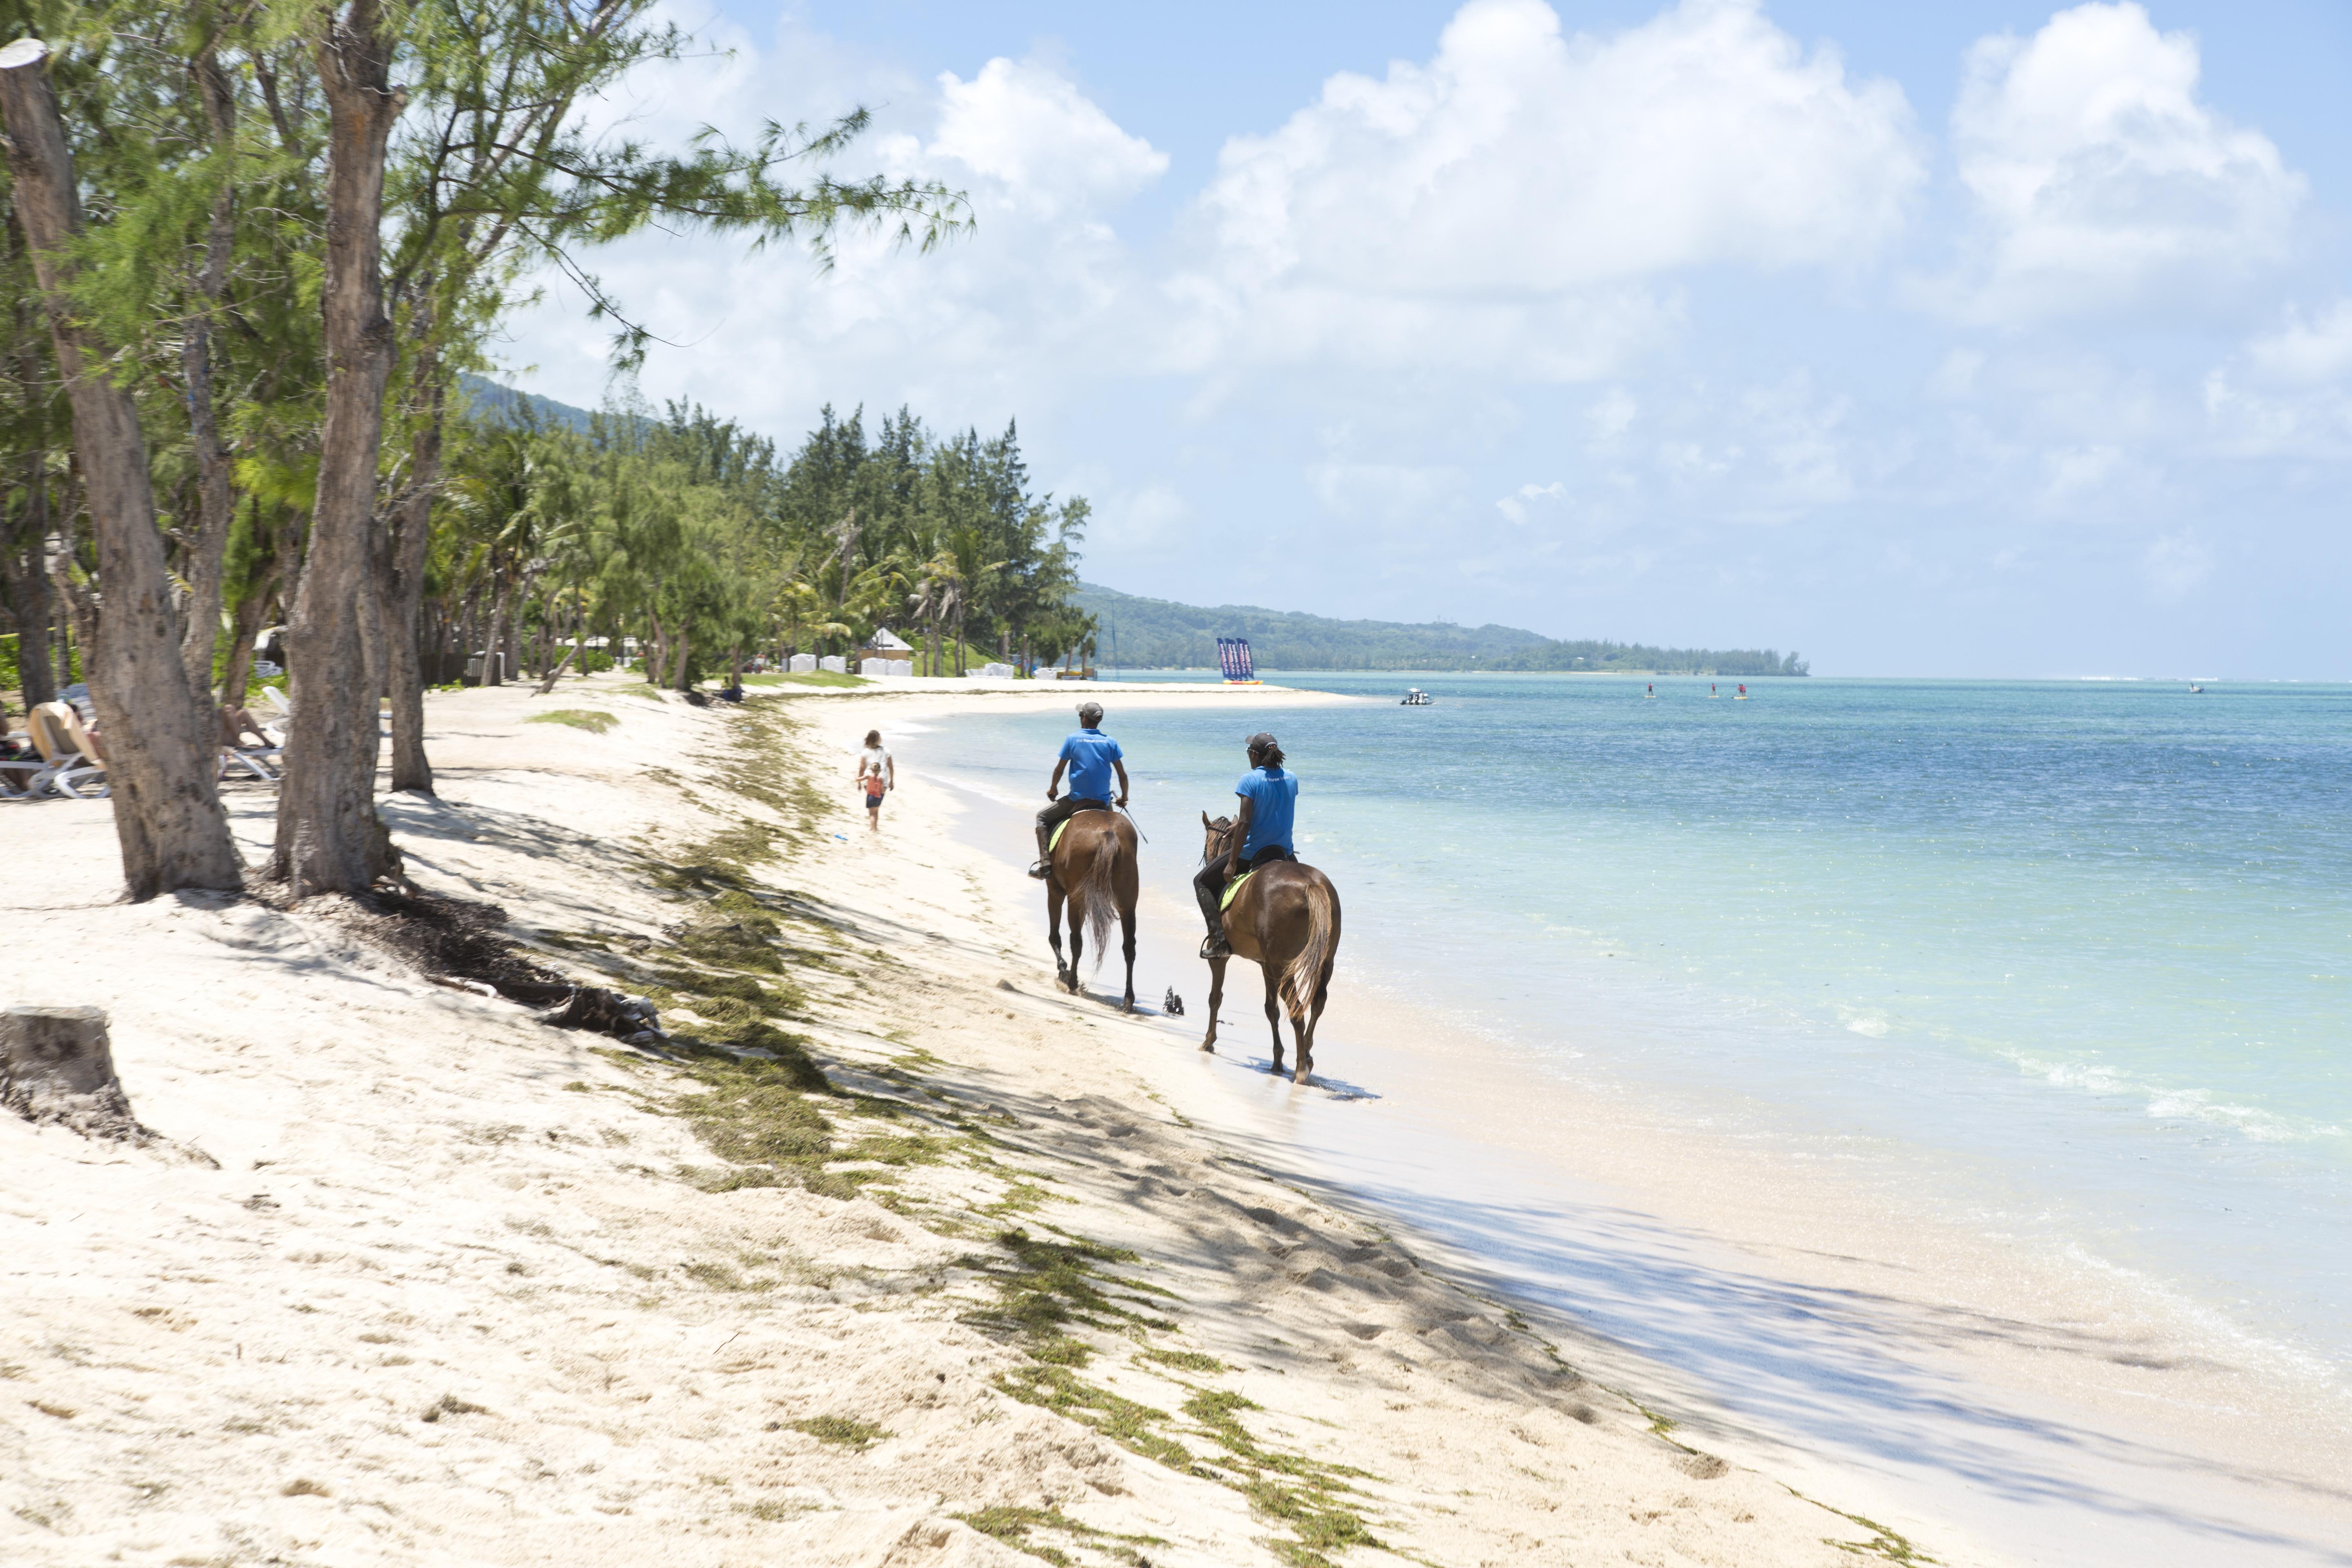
(1160, 634)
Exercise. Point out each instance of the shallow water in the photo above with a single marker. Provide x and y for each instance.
(2066, 962)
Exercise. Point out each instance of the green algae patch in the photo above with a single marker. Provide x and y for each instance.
(1015, 1527)
(825, 678)
(846, 1431)
(1132, 1425)
(1309, 1496)
(595, 720)
(1047, 1284)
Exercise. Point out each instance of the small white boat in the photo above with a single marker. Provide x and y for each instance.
(2194, 687)
(1414, 697)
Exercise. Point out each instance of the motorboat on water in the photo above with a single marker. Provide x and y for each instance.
(1414, 697)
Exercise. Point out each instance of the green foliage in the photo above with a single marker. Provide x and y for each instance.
(11, 676)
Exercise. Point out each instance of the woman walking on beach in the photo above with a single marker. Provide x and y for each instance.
(877, 775)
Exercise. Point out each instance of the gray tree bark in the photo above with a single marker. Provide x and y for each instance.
(329, 837)
(405, 600)
(160, 765)
(215, 500)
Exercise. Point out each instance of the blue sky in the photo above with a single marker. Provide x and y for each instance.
(1954, 339)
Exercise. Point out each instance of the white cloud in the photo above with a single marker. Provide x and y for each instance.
(2099, 176)
(1513, 202)
(2306, 352)
(2287, 393)
(1519, 502)
(1039, 139)
(1009, 317)
(1612, 416)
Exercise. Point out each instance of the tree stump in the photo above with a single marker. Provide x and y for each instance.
(55, 1066)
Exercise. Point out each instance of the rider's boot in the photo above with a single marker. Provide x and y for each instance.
(1214, 945)
(1044, 865)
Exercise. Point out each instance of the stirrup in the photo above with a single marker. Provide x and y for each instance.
(1042, 869)
(1215, 946)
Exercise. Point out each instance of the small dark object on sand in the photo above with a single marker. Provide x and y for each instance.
(697, 699)
(1171, 1003)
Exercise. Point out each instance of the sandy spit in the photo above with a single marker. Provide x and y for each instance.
(447, 1285)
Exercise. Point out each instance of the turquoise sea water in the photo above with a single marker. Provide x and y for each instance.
(2073, 962)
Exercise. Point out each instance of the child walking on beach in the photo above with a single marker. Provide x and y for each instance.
(876, 776)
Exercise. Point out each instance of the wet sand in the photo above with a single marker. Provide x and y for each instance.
(1798, 1315)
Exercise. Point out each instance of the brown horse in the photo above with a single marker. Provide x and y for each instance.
(1285, 919)
(1094, 868)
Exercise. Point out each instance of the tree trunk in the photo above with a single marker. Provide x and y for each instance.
(465, 628)
(493, 638)
(556, 674)
(28, 588)
(215, 500)
(329, 837)
(160, 767)
(245, 626)
(79, 632)
(659, 661)
(405, 594)
(677, 670)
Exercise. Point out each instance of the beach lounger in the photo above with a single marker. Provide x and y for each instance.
(255, 760)
(276, 713)
(20, 777)
(64, 746)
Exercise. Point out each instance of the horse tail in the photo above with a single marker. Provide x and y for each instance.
(1305, 975)
(1096, 895)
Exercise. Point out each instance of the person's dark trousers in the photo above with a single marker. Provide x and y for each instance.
(1060, 812)
(1209, 887)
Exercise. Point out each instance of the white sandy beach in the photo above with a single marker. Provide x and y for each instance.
(449, 1286)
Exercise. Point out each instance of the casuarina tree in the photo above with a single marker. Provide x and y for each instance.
(160, 760)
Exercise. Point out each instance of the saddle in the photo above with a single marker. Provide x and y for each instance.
(1063, 826)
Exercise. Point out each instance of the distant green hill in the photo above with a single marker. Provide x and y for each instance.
(1162, 635)
(492, 402)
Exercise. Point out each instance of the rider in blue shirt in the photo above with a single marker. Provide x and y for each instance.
(1092, 757)
(1262, 832)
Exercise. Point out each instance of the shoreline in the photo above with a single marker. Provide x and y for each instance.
(2031, 1400)
(450, 1284)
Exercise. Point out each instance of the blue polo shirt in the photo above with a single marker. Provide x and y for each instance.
(1273, 794)
(1090, 753)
